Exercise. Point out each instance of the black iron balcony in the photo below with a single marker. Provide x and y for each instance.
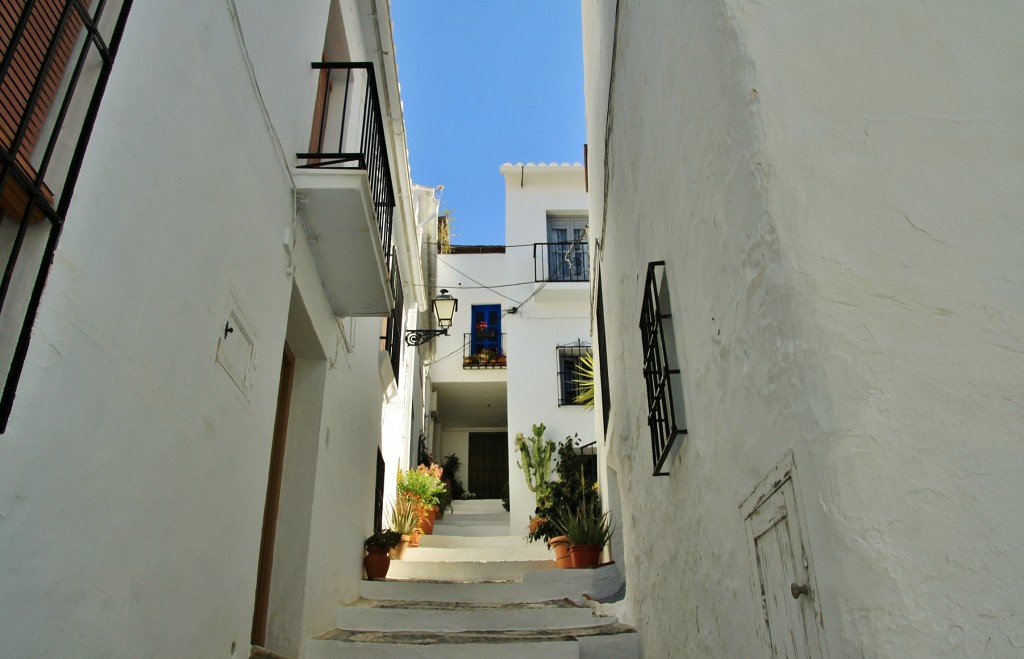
(484, 349)
(561, 261)
(345, 179)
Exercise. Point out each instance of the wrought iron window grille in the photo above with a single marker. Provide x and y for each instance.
(378, 495)
(602, 352)
(392, 339)
(665, 413)
(57, 57)
(570, 358)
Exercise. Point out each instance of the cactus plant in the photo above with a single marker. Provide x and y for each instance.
(535, 460)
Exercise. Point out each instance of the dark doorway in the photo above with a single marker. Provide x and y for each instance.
(284, 397)
(488, 464)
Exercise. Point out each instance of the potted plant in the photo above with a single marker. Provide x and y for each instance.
(588, 533)
(570, 492)
(377, 562)
(424, 485)
(404, 517)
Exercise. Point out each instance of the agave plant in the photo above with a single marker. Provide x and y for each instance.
(585, 526)
(405, 515)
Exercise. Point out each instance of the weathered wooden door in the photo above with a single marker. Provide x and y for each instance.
(273, 501)
(783, 576)
(488, 464)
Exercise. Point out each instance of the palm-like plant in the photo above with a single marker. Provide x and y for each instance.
(585, 381)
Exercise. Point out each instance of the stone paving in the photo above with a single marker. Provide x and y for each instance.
(471, 593)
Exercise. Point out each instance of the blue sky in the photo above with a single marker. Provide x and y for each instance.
(486, 82)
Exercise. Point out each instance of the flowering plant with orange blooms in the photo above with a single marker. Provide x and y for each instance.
(423, 483)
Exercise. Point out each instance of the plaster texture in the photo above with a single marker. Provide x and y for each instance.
(134, 471)
(836, 192)
(537, 316)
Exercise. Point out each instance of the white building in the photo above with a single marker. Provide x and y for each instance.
(522, 324)
(834, 193)
(209, 299)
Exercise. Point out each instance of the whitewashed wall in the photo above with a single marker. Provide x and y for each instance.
(836, 192)
(134, 472)
(543, 323)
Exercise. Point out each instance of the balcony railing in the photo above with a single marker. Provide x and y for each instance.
(349, 134)
(561, 261)
(483, 350)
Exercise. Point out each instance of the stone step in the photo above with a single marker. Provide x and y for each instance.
(471, 530)
(465, 541)
(597, 583)
(473, 519)
(612, 641)
(392, 616)
(465, 570)
(427, 552)
(478, 505)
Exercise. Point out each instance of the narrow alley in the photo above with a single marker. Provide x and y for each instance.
(470, 590)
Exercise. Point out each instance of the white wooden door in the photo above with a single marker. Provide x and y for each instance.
(783, 578)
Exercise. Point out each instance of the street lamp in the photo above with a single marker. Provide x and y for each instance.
(444, 309)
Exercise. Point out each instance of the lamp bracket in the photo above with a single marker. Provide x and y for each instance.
(419, 337)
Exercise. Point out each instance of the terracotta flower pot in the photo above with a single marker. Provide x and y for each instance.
(428, 521)
(585, 555)
(399, 550)
(377, 562)
(560, 545)
(414, 540)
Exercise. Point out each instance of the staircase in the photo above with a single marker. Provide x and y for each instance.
(473, 590)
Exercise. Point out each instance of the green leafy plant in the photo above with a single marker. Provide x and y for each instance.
(570, 492)
(450, 467)
(585, 526)
(387, 539)
(424, 483)
(535, 460)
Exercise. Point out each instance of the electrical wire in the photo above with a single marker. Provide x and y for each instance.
(482, 285)
(453, 352)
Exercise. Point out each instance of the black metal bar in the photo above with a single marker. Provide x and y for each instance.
(37, 87)
(70, 180)
(72, 84)
(378, 495)
(372, 154)
(563, 261)
(657, 373)
(477, 360)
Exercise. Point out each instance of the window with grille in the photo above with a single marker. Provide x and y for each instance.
(665, 414)
(55, 58)
(570, 376)
(391, 342)
(602, 353)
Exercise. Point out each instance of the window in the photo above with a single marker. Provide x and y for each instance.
(570, 365)
(378, 495)
(484, 346)
(565, 256)
(665, 413)
(391, 342)
(602, 353)
(55, 58)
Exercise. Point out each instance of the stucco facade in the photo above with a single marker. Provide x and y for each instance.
(134, 469)
(540, 309)
(835, 192)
